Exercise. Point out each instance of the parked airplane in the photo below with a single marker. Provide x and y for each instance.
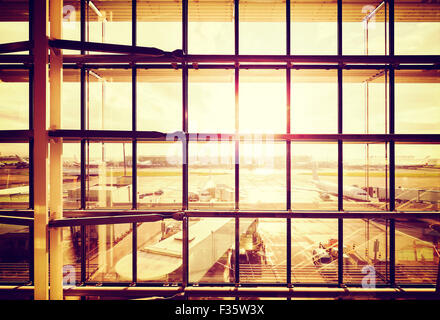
(414, 164)
(326, 188)
(17, 162)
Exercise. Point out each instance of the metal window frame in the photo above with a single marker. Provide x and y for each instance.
(135, 57)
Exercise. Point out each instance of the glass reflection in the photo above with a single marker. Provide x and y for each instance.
(14, 99)
(262, 175)
(211, 250)
(365, 177)
(314, 251)
(262, 250)
(71, 176)
(314, 176)
(417, 251)
(417, 177)
(366, 252)
(159, 175)
(14, 253)
(211, 175)
(106, 246)
(14, 175)
(108, 175)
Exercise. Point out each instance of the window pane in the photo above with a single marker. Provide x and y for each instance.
(314, 105)
(263, 250)
(314, 176)
(14, 21)
(71, 28)
(109, 22)
(262, 175)
(14, 175)
(417, 255)
(211, 26)
(108, 175)
(366, 252)
(417, 95)
(159, 252)
(365, 177)
(159, 100)
(71, 99)
(211, 250)
(107, 248)
(417, 177)
(159, 24)
(14, 99)
(262, 101)
(313, 244)
(364, 27)
(71, 176)
(110, 103)
(72, 256)
(159, 171)
(15, 253)
(211, 101)
(262, 31)
(313, 27)
(417, 27)
(365, 101)
(211, 175)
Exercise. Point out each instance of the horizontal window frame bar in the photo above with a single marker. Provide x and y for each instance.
(15, 135)
(20, 221)
(17, 213)
(78, 135)
(114, 48)
(255, 291)
(15, 46)
(106, 216)
(195, 66)
(120, 219)
(133, 216)
(16, 58)
(293, 59)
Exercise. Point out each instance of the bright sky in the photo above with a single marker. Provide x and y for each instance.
(262, 103)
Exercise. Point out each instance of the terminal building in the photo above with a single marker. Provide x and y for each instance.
(219, 149)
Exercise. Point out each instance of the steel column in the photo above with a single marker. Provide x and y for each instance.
(237, 142)
(40, 37)
(56, 150)
(185, 143)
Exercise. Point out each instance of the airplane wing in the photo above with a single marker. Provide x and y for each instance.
(308, 189)
(16, 190)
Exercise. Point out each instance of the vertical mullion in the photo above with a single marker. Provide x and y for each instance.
(134, 142)
(288, 153)
(134, 253)
(185, 248)
(392, 147)
(31, 118)
(83, 23)
(392, 181)
(83, 105)
(237, 143)
(31, 141)
(31, 254)
(340, 153)
(83, 142)
(83, 254)
(133, 22)
(134, 168)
